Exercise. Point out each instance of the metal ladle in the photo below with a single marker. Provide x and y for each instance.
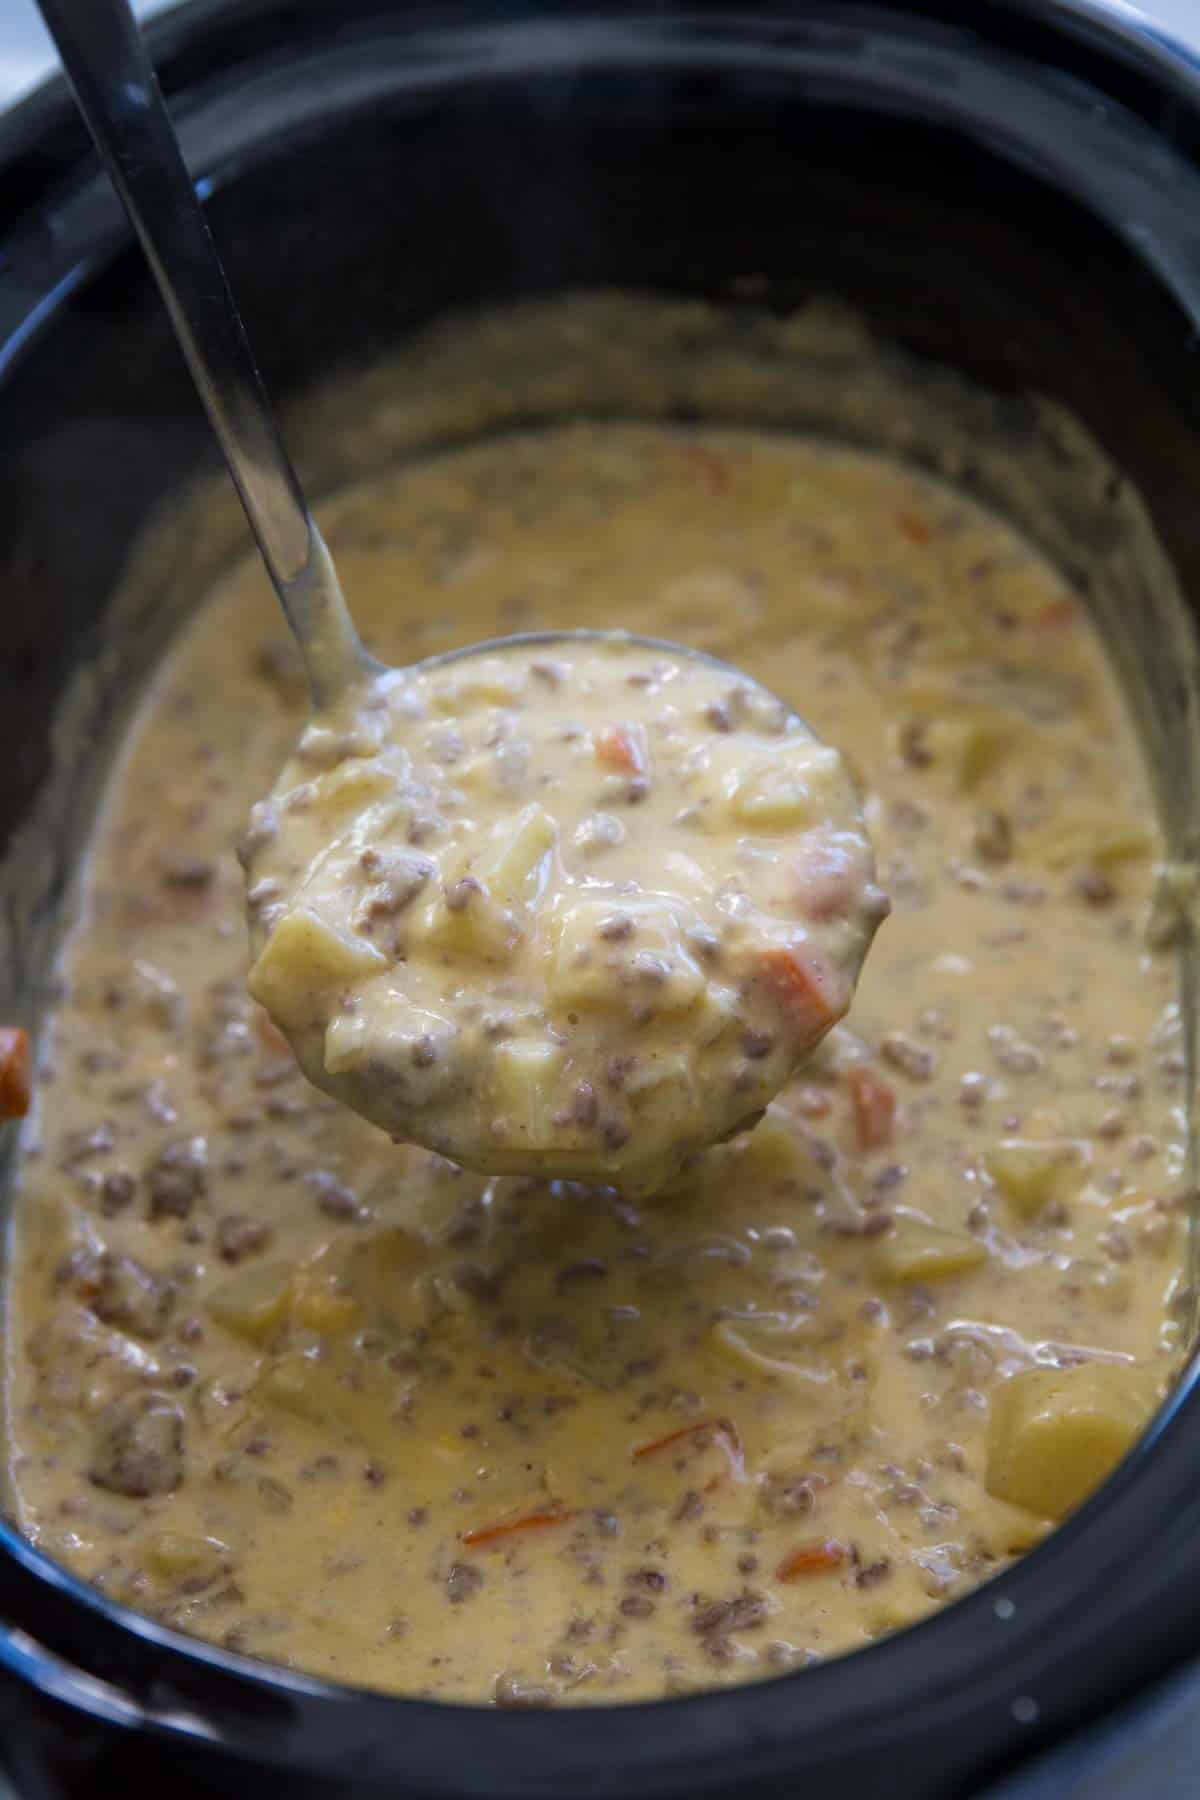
(106, 61)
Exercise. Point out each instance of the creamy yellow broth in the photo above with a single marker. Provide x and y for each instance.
(569, 908)
(337, 1404)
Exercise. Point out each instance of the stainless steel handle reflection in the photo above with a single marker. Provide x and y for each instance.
(107, 63)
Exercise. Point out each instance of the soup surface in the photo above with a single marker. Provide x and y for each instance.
(339, 1404)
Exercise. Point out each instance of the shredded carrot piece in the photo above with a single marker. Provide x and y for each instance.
(724, 1432)
(269, 1034)
(1056, 615)
(14, 1072)
(814, 1558)
(713, 470)
(553, 1514)
(874, 1107)
(618, 748)
(914, 527)
(801, 991)
(320, 1309)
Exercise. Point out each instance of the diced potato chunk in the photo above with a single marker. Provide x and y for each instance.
(318, 1308)
(173, 1557)
(351, 785)
(770, 1159)
(772, 1153)
(338, 1391)
(1030, 1173)
(380, 1280)
(468, 919)
(585, 964)
(717, 1014)
(914, 1251)
(395, 1034)
(253, 1304)
(1054, 1434)
(527, 1087)
(386, 1274)
(777, 794)
(651, 1074)
(345, 1043)
(649, 964)
(299, 1384)
(969, 747)
(516, 853)
(481, 681)
(303, 953)
(662, 1094)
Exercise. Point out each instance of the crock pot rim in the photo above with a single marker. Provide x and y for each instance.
(535, 1739)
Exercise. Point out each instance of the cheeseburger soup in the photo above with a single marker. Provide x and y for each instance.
(340, 1404)
(577, 907)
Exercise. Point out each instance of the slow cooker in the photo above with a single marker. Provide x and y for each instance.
(1009, 191)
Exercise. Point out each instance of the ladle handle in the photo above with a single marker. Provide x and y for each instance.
(106, 61)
